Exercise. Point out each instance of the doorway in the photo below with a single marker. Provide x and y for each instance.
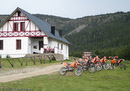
(40, 45)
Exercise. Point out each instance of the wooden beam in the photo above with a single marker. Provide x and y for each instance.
(0, 64)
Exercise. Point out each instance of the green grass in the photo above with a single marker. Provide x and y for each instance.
(105, 80)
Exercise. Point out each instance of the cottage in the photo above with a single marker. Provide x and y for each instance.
(22, 33)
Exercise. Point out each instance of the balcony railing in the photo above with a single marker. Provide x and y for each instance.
(49, 50)
(21, 34)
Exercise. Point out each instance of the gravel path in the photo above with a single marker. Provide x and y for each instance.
(17, 74)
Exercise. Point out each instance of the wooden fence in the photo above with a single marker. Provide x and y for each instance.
(32, 59)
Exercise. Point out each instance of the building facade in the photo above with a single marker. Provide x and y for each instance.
(22, 33)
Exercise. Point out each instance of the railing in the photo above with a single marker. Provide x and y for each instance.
(52, 50)
(25, 61)
(49, 50)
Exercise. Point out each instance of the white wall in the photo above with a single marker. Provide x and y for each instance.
(54, 44)
(35, 42)
(9, 47)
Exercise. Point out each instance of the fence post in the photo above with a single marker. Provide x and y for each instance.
(26, 61)
(34, 60)
(40, 58)
(44, 59)
(12, 63)
(22, 61)
(49, 58)
(0, 64)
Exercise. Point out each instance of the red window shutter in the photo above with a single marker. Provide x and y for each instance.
(22, 26)
(15, 27)
(18, 44)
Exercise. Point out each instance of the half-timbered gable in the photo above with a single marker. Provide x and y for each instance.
(18, 25)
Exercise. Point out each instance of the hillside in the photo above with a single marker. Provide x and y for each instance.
(106, 32)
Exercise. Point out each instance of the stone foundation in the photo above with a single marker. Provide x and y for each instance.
(48, 56)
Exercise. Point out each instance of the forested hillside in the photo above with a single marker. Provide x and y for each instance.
(110, 35)
(106, 34)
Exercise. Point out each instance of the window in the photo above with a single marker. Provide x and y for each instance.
(61, 46)
(15, 27)
(40, 30)
(58, 45)
(35, 47)
(19, 13)
(22, 26)
(18, 44)
(1, 44)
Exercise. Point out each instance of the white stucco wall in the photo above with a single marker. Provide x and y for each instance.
(54, 44)
(34, 42)
(9, 47)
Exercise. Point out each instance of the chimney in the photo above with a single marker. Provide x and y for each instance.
(53, 30)
(46, 20)
(60, 33)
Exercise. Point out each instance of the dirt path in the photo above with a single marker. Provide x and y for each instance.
(17, 74)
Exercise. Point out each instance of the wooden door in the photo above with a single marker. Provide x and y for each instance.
(40, 44)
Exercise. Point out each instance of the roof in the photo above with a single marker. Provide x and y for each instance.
(43, 25)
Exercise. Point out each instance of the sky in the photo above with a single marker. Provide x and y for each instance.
(66, 8)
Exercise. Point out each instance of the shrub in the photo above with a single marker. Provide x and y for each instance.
(7, 56)
(125, 52)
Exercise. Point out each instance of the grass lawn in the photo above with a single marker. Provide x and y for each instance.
(105, 80)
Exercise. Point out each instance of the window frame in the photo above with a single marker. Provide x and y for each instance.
(15, 26)
(22, 26)
(18, 44)
(58, 45)
(61, 46)
(1, 45)
(19, 13)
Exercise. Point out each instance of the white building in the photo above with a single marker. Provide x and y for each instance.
(22, 33)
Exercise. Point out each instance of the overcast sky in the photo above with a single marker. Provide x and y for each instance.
(66, 8)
